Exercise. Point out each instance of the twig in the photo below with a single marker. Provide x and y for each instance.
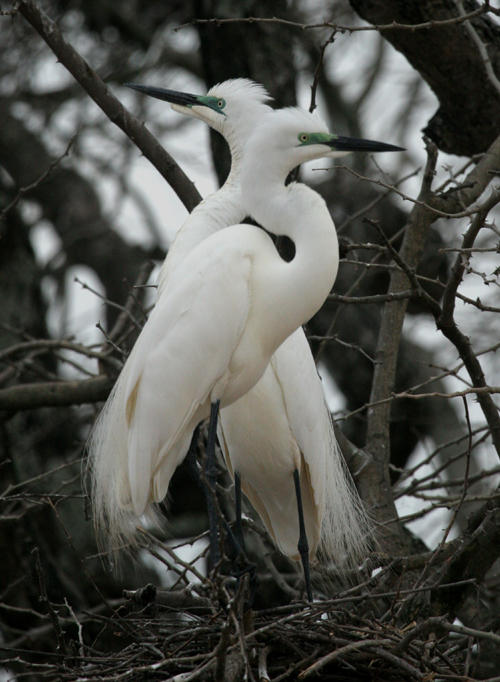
(262, 665)
(447, 325)
(48, 345)
(393, 26)
(318, 70)
(81, 649)
(473, 185)
(373, 298)
(126, 313)
(112, 304)
(338, 653)
(54, 616)
(429, 204)
(25, 190)
(449, 296)
(493, 78)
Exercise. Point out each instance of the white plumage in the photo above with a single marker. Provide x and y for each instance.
(226, 300)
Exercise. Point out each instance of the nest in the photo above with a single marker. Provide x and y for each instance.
(209, 632)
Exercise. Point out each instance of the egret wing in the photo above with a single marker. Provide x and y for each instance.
(265, 444)
(185, 349)
(340, 518)
(308, 414)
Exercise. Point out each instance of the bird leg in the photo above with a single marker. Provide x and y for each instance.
(241, 565)
(237, 551)
(303, 545)
(236, 541)
(211, 475)
(238, 538)
(207, 485)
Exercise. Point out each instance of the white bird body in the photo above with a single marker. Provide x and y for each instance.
(279, 425)
(272, 423)
(229, 304)
(226, 301)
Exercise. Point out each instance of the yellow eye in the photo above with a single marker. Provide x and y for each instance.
(220, 103)
(303, 137)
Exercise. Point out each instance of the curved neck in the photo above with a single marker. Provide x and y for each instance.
(236, 151)
(300, 287)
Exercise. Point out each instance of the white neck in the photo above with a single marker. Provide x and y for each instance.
(300, 287)
(218, 210)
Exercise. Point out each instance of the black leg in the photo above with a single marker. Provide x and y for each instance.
(303, 545)
(241, 565)
(211, 475)
(236, 545)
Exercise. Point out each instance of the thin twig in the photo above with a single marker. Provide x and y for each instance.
(341, 28)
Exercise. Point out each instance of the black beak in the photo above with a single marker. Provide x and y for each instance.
(172, 96)
(354, 144)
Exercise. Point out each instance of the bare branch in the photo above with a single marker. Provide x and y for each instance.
(446, 323)
(341, 28)
(474, 184)
(430, 204)
(49, 345)
(480, 46)
(55, 394)
(375, 480)
(111, 106)
(24, 190)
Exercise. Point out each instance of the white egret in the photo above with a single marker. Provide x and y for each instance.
(284, 419)
(233, 300)
(233, 108)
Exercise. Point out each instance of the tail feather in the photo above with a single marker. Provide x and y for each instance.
(115, 521)
(346, 532)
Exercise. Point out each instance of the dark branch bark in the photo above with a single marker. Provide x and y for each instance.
(449, 60)
(477, 552)
(473, 185)
(55, 393)
(375, 483)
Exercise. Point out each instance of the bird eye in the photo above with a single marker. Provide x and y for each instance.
(221, 103)
(303, 137)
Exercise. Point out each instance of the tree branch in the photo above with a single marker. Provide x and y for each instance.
(474, 184)
(375, 483)
(457, 76)
(112, 107)
(55, 393)
(342, 28)
(475, 554)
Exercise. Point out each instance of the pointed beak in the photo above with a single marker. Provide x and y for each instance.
(354, 144)
(173, 96)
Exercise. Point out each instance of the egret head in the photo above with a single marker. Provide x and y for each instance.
(291, 136)
(232, 107)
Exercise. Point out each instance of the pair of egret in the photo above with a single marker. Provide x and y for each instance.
(226, 331)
